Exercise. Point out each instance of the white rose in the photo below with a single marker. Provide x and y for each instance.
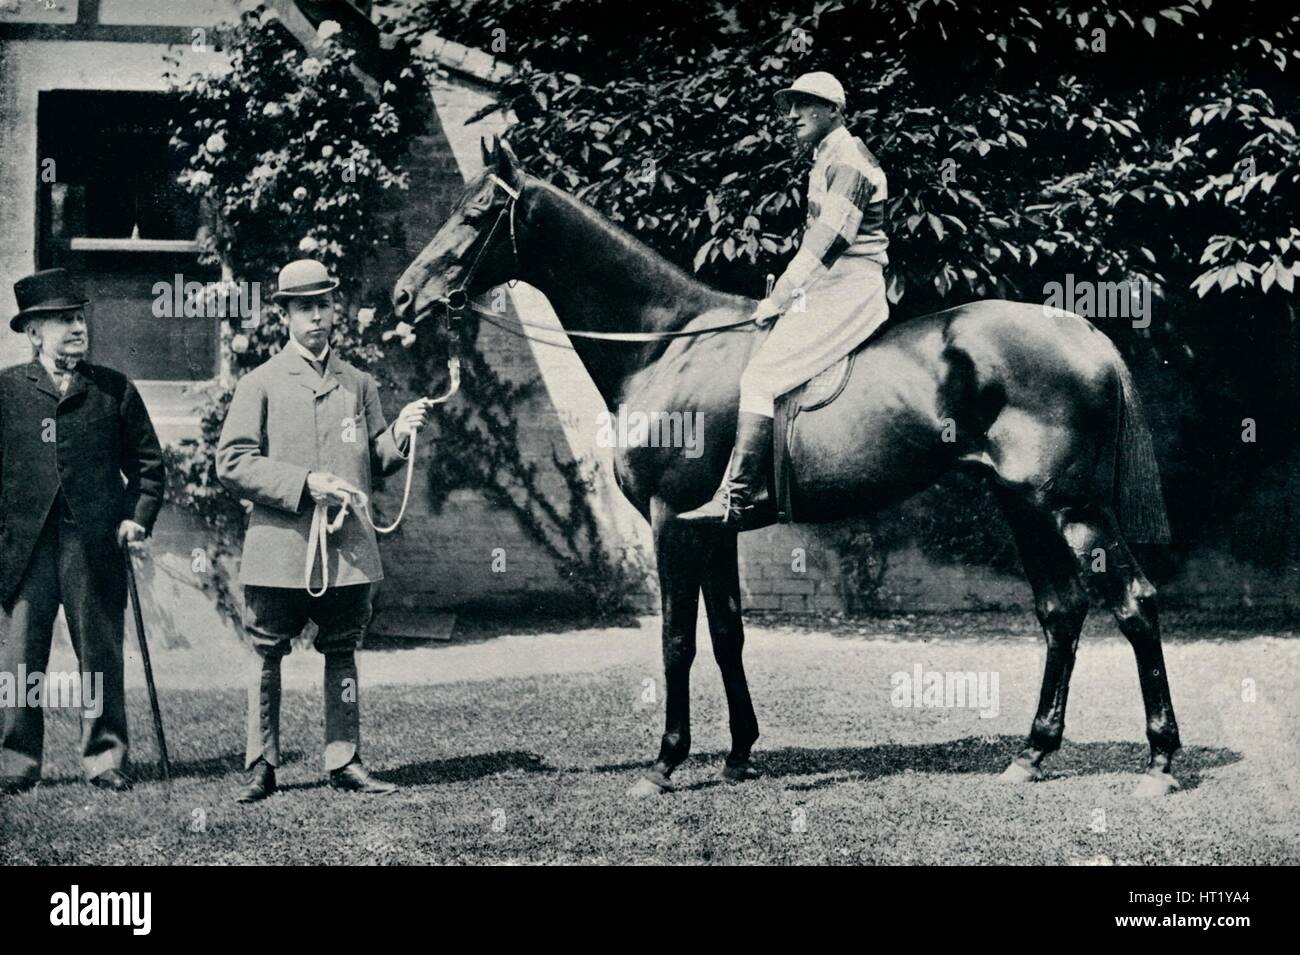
(272, 110)
(364, 317)
(239, 344)
(200, 179)
(216, 143)
(311, 67)
(403, 331)
(327, 29)
(300, 193)
(327, 152)
(308, 244)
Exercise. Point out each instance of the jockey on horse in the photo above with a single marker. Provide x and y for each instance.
(837, 274)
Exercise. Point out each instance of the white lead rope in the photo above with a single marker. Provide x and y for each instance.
(321, 524)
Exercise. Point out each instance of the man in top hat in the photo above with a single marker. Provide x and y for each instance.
(81, 474)
(836, 277)
(306, 429)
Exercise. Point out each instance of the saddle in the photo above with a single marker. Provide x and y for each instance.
(817, 392)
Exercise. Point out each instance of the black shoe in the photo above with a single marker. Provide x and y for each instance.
(114, 780)
(354, 778)
(743, 500)
(13, 785)
(260, 784)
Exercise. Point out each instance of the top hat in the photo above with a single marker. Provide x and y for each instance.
(304, 278)
(819, 85)
(46, 293)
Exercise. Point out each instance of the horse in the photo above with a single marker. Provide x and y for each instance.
(1037, 401)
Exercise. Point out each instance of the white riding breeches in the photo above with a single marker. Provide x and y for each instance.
(839, 313)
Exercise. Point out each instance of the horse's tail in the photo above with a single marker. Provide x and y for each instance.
(1138, 497)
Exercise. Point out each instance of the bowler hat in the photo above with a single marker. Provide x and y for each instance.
(304, 278)
(46, 293)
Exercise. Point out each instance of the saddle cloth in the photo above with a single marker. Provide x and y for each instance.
(815, 393)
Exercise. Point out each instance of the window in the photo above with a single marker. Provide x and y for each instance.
(110, 210)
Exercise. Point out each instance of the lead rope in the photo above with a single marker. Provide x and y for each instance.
(321, 524)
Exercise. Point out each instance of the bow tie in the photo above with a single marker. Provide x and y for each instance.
(62, 371)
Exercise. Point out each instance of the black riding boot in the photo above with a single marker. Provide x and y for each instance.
(743, 499)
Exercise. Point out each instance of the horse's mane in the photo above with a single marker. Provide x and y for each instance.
(659, 279)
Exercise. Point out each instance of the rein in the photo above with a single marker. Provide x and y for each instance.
(617, 336)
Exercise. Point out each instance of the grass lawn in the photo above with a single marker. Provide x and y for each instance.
(520, 748)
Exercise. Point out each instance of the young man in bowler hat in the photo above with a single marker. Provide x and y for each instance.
(305, 428)
(81, 474)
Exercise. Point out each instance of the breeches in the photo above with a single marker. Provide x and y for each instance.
(273, 616)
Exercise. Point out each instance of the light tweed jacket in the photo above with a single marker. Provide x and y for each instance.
(286, 421)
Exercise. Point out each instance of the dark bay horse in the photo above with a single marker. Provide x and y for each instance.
(1039, 403)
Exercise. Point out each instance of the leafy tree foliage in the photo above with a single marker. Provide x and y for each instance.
(289, 152)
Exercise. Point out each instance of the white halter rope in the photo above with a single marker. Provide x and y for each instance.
(321, 524)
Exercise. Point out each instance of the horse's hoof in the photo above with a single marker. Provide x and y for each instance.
(651, 784)
(741, 773)
(1154, 785)
(1018, 772)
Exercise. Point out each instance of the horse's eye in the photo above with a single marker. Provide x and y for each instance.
(476, 210)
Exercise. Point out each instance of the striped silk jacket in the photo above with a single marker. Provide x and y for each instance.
(846, 213)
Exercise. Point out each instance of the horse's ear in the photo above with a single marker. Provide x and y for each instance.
(487, 153)
(508, 164)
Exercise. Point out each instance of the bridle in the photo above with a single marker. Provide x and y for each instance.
(458, 298)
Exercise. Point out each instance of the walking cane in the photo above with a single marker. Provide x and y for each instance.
(148, 667)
